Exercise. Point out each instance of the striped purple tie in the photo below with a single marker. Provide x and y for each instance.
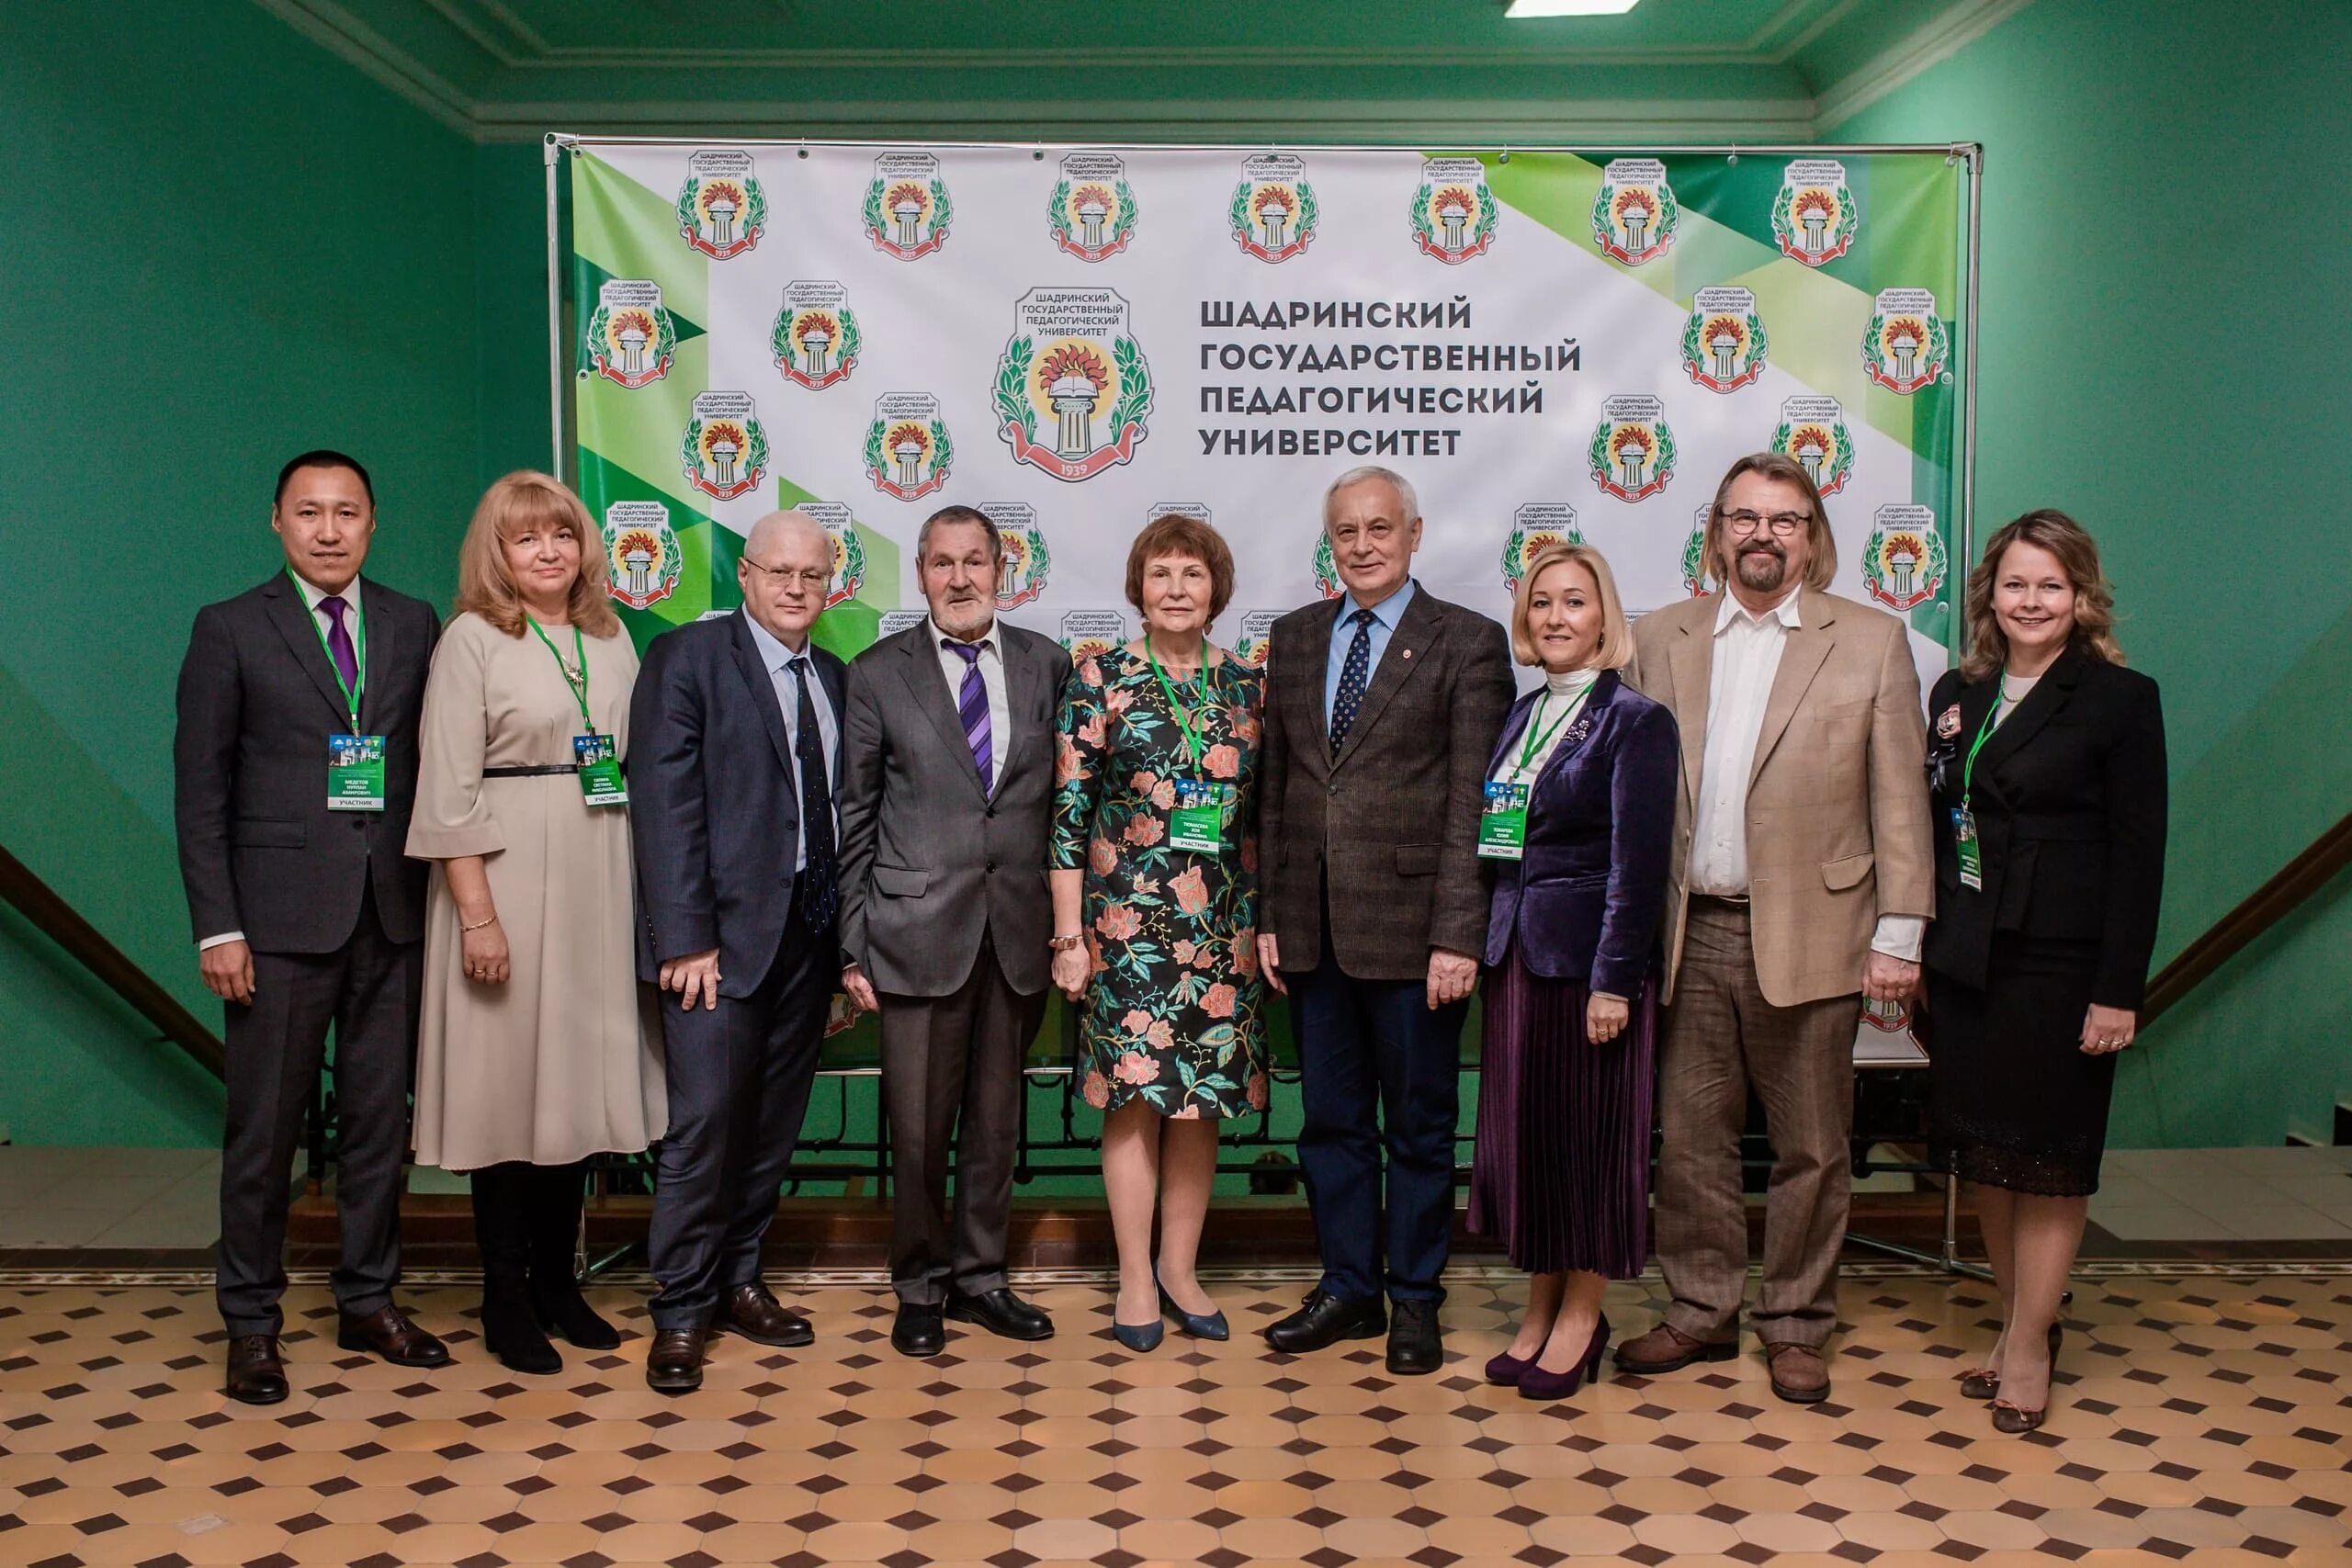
(972, 705)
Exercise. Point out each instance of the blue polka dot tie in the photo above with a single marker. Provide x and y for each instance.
(1353, 673)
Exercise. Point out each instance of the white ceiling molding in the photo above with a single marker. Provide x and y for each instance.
(342, 34)
(1931, 45)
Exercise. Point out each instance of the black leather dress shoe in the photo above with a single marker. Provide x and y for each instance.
(750, 1310)
(1002, 1314)
(674, 1364)
(257, 1376)
(387, 1332)
(919, 1330)
(1414, 1346)
(1324, 1321)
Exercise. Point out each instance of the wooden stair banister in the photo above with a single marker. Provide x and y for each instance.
(2256, 913)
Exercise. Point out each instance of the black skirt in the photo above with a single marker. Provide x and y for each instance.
(2017, 1103)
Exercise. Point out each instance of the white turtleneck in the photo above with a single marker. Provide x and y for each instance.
(1555, 711)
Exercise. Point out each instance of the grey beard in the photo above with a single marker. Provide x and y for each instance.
(1772, 569)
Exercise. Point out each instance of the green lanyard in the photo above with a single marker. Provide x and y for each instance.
(579, 683)
(1184, 721)
(359, 649)
(1535, 742)
(1984, 733)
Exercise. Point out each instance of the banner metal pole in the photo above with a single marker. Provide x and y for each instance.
(1975, 153)
(556, 143)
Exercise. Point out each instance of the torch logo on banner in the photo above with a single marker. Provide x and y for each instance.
(1905, 344)
(906, 207)
(1723, 344)
(1090, 635)
(1072, 389)
(1814, 217)
(644, 553)
(1812, 431)
(848, 553)
(1535, 529)
(1257, 638)
(1327, 570)
(1632, 450)
(630, 338)
(1694, 556)
(1027, 562)
(1887, 1018)
(1904, 561)
(1091, 213)
(1273, 212)
(1454, 212)
(1635, 212)
(908, 452)
(724, 452)
(815, 338)
(721, 211)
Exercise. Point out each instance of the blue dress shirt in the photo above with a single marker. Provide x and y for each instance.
(1385, 617)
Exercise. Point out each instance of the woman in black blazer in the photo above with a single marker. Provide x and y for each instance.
(2047, 764)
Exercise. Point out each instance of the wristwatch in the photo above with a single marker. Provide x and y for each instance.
(1070, 944)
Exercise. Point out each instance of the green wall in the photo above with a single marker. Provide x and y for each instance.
(2164, 226)
(222, 247)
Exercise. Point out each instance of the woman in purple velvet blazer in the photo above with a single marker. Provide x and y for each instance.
(1561, 1172)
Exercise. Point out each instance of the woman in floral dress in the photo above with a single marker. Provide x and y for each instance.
(1155, 860)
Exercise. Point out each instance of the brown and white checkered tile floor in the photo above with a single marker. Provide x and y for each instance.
(2201, 1417)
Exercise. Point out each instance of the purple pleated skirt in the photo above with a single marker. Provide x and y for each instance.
(1560, 1171)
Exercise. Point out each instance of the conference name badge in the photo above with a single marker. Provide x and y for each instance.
(1502, 829)
(355, 772)
(1972, 855)
(1198, 821)
(600, 770)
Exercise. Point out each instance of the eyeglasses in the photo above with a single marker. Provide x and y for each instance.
(1743, 522)
(812, 580)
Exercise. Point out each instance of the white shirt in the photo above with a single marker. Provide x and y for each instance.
(778, 659)
(1746, 656)
(1563, 698)
(312, 595)
(991, 664)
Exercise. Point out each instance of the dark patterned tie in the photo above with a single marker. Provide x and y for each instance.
(819, 887)
(346, 658)
(1353, 673)
(972, 706)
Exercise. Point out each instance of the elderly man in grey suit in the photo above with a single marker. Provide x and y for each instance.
(1381, 712)
(945, 920)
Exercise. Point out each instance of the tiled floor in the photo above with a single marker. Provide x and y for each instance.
(2295, 1194)
(108, 1198)
(2201, 1417)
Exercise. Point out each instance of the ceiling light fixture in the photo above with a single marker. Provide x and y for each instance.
(1520, 10)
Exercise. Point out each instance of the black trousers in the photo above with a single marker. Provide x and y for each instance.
(369, 990)
(738, 1079)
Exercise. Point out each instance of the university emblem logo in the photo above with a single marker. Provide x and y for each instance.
(1091, 213)
(1887, 1018)
(642, 551)
(907, 207)
(1724, 346)
(1632, 450)
(815, 338)
(1273, 213)
(1906, 345)
(1812, 431)
(893, 622)
(1072, 369)
(1694, 556)
(848, 553)
(1327, 570)
(724, 452)
(1535, 529)
(1027, 562)
(1256, 637)
(721, 211)
(1904, 560)
(1635, 212)
(1814, 217)
(908, 452)
(1197, 511)
(1090, 633)
(1454, 212)
(629, 337)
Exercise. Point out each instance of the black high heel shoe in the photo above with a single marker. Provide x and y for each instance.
(2015, 1420)
(1985, 1383)
(1199, 1325)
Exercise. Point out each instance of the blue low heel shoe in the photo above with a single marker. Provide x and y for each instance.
(1139, 1337)
(1199, 1325)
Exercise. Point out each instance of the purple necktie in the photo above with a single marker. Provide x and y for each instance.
(972, 704)
(346, 661)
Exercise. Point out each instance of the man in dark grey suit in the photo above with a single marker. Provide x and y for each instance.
(735, 759)
(1381, 712)
(307, 912)
(946, 799)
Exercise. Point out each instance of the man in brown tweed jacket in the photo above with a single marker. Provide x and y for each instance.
(1381, 712)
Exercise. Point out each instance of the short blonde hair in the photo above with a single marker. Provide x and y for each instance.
(1616, 648)
(522, 500)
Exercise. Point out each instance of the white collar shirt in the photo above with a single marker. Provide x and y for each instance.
(778, 660)
(990, 665)
(1745, 658)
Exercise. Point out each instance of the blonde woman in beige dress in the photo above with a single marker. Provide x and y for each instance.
(533, 1048)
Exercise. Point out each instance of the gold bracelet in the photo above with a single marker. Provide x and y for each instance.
(1070, 944)
(477, 924)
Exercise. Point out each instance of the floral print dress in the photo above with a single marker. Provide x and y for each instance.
(1174, 1013)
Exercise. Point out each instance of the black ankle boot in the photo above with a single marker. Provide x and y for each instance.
(555, 1237)
(510, 1330)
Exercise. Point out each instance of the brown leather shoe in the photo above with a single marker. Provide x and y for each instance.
(1666, 1348)
(674, 1364)
(387, 1332)
(257, 1375)
(751, 1310)
(1800, 1374)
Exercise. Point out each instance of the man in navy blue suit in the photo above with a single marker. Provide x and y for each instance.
(734, 766)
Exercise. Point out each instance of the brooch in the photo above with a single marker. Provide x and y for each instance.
(1948, 723)
(1578, 731)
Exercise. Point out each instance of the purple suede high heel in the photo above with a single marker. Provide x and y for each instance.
(1506, 1370)
(1537, 1383)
